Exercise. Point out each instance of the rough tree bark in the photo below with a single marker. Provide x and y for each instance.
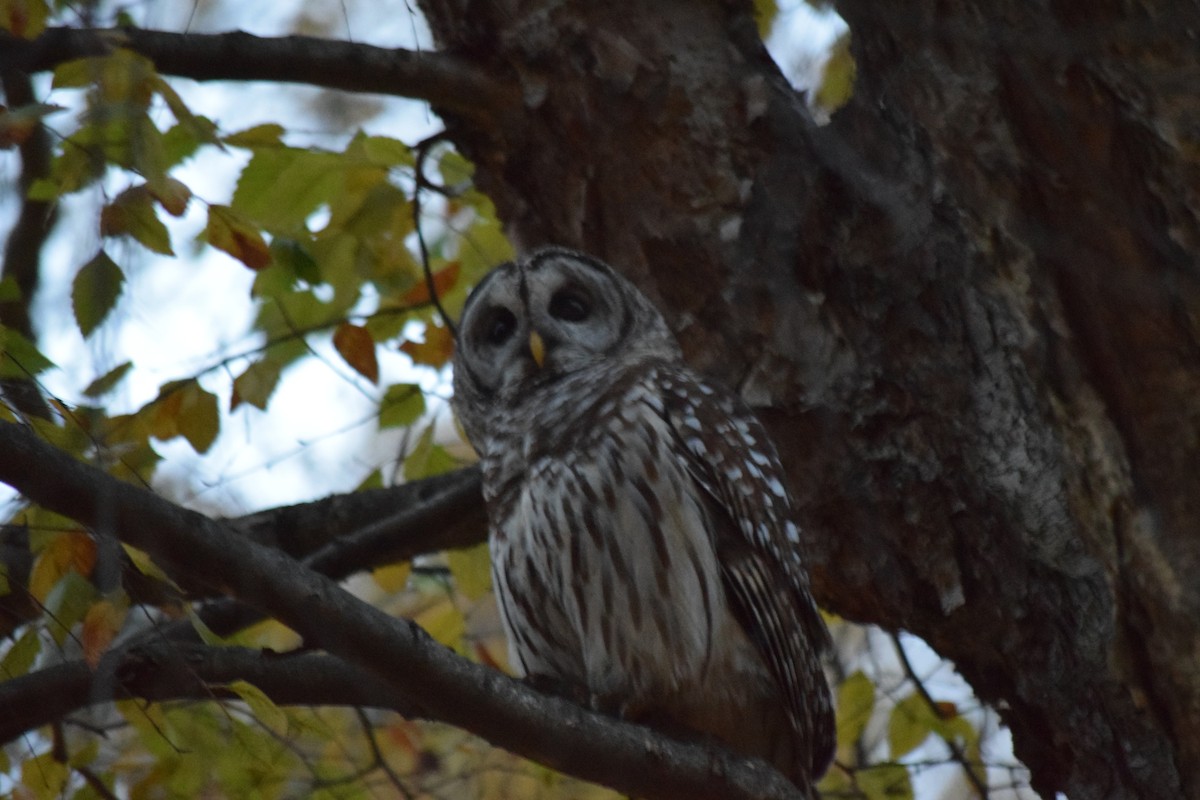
(968, 309)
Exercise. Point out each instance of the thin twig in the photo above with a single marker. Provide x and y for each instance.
(422, 151)
(956, 752)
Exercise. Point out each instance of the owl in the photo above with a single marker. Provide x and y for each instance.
(642, 541)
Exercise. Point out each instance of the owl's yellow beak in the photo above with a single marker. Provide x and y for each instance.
(537, 346)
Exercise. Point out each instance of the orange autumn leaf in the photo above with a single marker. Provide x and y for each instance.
(435, 351)
(357, 346)
(100, 626)
(73, 551)
(227, 230)
(443, 281)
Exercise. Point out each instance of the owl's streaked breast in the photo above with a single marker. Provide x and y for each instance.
(609, 523)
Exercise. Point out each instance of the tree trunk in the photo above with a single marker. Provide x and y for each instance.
(967, 308)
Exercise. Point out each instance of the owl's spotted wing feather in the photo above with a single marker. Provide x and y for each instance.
(732, 459)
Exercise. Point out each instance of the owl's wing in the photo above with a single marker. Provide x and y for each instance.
(732, 459)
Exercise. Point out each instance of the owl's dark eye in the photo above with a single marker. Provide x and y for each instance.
(500, 327)
(570, 306)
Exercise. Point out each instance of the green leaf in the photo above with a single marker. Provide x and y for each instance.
(10, 292)
(372, 481)
(455, 168)
(44, 189)
(108, 381)
(21, 655)
(132, 214)
(256, 384)
(24, 18)
(94, 292)
(281, 187)
(402, 405)
(885, 782)
(837, 79)
(294, 256)
(855, 702)
(182, 140)
(67, 603)
(428, 459)
(19, 358)
(765, 12)
(387, 152)
(910, 724)
(266, 135)
(74, 74)
(206, 634)
(199, 417)
(263, 708)
(44, 777)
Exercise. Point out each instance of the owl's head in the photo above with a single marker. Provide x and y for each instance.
(550, 314)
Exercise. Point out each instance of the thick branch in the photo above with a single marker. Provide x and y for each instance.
(346, 533)
(445, 81)
(503, 711)
(177, 671)
(22, 253)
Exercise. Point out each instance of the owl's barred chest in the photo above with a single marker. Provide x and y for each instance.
(604, 527)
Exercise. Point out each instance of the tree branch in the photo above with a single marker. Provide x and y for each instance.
(557, 733)
(443, 80)
(379, 526)
(175, 671)
(22, 254)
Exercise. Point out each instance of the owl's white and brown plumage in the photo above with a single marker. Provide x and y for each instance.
(642, 540)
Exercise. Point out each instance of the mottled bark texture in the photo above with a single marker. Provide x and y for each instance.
(968, 309)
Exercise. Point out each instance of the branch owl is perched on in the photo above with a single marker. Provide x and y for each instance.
(642, 540)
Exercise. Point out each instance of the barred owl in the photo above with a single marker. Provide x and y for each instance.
(643, 547)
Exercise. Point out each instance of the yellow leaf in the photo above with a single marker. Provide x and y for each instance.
(206, 634)
(229, 231)
(100, 626)
(73, 551)
(444, 622)
(855, 703)
(144, 564)
(393, 577)
(263, 708)
(472, 570)
(356, 345)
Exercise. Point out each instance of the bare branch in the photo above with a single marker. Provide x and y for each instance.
(378, 526)
(557, 733)
(174, 671)
(22, 253)
(445, 81)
